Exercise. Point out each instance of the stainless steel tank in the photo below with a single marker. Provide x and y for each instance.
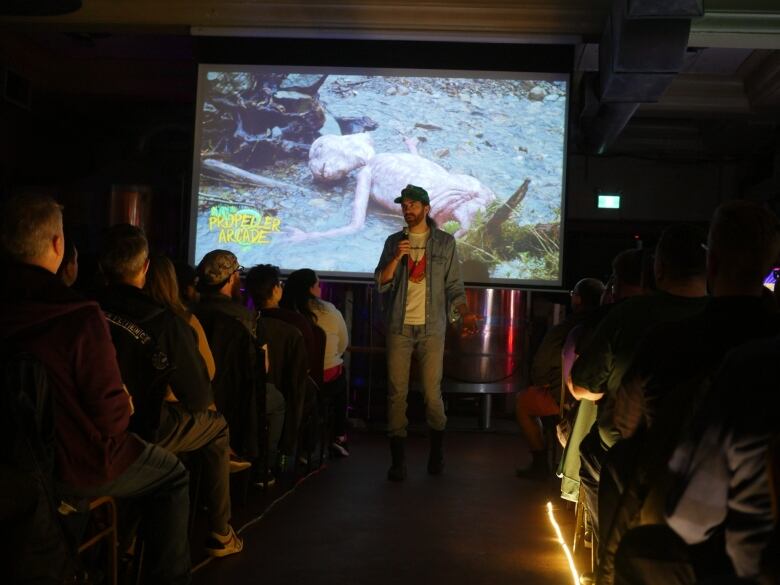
(496, 351)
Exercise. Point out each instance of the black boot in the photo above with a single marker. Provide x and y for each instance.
(397, 471)
(538, 469)
(436, 457)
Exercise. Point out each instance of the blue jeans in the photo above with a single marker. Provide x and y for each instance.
(429, 350)
(161, 482)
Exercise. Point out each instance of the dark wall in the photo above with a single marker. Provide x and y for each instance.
(110, 110)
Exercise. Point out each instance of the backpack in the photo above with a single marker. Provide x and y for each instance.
(145, 370)
(33, 544)
(27, 415)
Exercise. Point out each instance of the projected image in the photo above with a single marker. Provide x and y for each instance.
(301, 169)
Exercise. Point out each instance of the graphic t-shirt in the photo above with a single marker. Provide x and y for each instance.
(415, 292)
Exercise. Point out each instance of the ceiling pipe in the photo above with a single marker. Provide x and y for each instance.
(642, 49)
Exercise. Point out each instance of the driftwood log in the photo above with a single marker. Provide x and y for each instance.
(493, 225)
(217, 167)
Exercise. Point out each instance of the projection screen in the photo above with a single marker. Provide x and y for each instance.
(299, 167)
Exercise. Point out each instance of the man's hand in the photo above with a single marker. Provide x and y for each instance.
(129, 399)
(402, 249)
(267, 359)
(470, 324)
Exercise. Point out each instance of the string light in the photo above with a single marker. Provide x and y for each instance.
(564, 546)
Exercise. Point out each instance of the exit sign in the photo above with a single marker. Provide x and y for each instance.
(608, 201)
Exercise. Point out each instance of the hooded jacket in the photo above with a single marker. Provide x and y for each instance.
(238, 382)
(70, 337)
(189, 380)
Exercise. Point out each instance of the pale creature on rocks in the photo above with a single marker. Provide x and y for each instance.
(454, 197)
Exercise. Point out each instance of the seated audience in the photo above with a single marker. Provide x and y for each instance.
(720, 477)
(162, 286)
(235, 335)
(299, 304)
(666, 385)
(258, 286)
(302, 291)
(187, 281)
(186, 423)
(288, 367)
(720, 521)
(334, 378)
(95, 454)
(626, 282)
(679, 270)
(542, 397)
(69, 269)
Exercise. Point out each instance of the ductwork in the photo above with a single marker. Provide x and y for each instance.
(641, 51)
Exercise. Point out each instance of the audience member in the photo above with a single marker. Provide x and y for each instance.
(186, 424)
(666, 385)
(234, 336)
(187, 281)
(542, 397)
(624, 283)
(162, 285)
(68, 272)
(95, 455)
(296, 297)
(720, 472)
(260, 282)
(334, 388)
(288, 369)
(680, 276)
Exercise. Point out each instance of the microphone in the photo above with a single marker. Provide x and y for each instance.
(405, 236)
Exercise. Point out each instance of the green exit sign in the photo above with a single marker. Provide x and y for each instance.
(608, 201)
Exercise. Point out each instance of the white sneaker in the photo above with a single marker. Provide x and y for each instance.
(219, 545)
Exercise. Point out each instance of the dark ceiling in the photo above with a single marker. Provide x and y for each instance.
(146, 48)
(721, 103)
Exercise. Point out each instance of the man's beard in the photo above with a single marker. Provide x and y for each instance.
(235, 292)
(416, 220)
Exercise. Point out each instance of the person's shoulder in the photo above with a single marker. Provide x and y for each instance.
(618, 311)
(324, 306)
(175, 321)
(279, 326)
(639, 306)
(395, 236)
(637, 303)
(754, 352)
(82, 310)
(223, 304)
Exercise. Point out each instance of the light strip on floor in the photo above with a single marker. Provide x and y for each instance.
(566, 551)
(270, 507)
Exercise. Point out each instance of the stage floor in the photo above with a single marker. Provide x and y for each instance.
(346, 524)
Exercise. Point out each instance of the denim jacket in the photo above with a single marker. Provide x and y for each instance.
(444, 286)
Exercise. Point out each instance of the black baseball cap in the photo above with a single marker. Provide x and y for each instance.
(415, 193)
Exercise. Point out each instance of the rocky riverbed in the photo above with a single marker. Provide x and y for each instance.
(499, 131)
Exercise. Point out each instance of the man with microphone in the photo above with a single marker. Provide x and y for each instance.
(419, 277)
